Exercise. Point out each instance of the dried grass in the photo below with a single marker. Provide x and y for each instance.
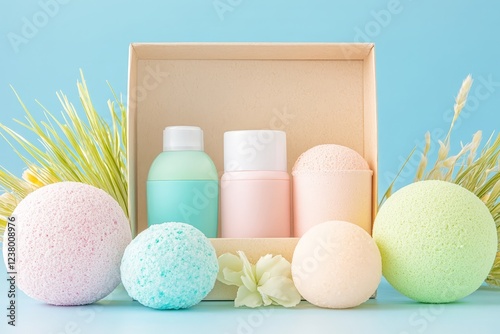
(70, 148)
(479, 173)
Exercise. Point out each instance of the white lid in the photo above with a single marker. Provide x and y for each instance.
(182, 138)
(248, 150)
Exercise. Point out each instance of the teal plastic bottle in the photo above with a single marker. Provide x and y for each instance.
(182, 183)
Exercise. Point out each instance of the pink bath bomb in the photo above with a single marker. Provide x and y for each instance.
(329, 157)
(70, 239)
(336, 264)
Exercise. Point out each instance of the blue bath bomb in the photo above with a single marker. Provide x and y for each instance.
(169, 266)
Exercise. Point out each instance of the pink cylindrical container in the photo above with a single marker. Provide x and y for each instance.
(255, 187)
(331, 182)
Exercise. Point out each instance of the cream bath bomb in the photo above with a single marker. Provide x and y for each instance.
(329, 157)
(70, 241)
(336, 264)
(169, 266)
(437, 239)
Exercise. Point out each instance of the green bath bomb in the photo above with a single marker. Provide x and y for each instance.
(438, 241)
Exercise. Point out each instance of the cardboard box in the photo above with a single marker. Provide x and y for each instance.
(254, 249)
(318, 93)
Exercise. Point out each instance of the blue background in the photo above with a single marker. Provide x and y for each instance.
(424, 49)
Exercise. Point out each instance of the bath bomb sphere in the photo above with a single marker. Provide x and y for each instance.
(336, 264)
(70, 241)
(329, 157)
(437, 239)
(169, 266)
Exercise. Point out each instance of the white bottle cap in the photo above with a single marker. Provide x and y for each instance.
(182, 138)
(263, 150)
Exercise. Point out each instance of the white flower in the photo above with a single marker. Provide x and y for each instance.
(265, 283)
